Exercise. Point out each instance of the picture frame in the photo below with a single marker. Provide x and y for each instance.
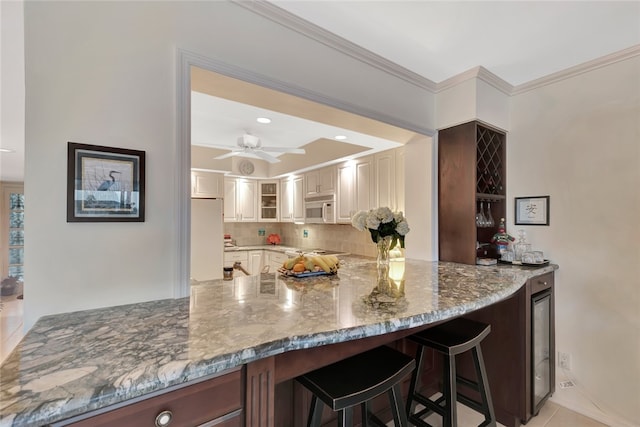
(105, 184)
(532, 210)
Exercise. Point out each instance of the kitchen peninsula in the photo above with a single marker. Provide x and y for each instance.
(254, 332)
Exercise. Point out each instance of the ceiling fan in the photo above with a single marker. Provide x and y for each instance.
(248, 143)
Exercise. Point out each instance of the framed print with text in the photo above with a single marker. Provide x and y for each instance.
(104, 184)
(532, 210)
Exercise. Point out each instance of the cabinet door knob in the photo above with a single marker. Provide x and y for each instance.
(164, 418)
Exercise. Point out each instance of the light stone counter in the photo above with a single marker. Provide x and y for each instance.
(76, 362)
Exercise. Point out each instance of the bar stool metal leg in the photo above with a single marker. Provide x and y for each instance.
(415, 381)
(346, 417)
(450, 391)
(315, 413)
(483, 385)
(399, 415)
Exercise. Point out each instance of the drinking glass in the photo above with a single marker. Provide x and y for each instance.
(480, 218)
(488, 217)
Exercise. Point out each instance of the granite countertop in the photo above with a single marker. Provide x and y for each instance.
(73, 363)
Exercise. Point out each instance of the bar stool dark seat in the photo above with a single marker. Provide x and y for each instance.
(451, 338)
(357, 380)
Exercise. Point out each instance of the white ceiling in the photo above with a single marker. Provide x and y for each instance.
(219, 122)
(519, 41)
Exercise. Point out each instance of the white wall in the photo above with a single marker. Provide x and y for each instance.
(468, 97)
(12, 90)
(105, 73)
(420, 179)
(578, 141)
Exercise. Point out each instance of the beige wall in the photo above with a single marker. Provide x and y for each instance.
(578, 141)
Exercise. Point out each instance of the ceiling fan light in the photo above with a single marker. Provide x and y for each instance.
(247, 140)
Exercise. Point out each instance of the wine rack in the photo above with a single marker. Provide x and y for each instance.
(489, 160)
(471, 176)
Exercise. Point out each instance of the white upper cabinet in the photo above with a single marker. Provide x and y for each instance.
(292, 199)
(269, 194)
(207, 184)
(355, 188)
(346, 200)
(240, 200)
(320, 181)
(365, 188)
(400, 179)
(385, 183)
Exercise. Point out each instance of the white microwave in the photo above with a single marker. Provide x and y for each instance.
(320, 210)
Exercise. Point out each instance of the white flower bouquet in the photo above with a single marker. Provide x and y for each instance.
(382, 222)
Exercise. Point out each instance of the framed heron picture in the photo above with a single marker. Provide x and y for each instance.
(104, 184)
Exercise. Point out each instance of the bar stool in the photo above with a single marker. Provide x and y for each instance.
(357, 380)
(450, 339)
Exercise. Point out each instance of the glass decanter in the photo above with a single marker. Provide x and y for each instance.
(521, 245)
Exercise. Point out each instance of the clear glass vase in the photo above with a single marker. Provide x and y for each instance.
(384, 244)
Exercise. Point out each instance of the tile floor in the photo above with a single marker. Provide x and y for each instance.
(551, 415)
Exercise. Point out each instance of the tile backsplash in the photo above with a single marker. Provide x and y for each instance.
(338, 237)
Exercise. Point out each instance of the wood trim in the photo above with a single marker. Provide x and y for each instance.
(260, 393)
(291, 364)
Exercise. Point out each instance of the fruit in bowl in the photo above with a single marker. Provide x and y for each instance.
(328, 264)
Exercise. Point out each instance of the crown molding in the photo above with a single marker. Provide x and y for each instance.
(585, 67)
(479, 73)
(301, 26)
(306, 28)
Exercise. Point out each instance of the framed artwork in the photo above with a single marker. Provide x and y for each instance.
(104, 184)
(532, 210)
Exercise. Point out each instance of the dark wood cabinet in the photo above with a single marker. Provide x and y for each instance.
(217, 401)
(471, 178)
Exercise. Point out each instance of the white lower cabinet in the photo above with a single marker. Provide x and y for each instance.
(236, 256)
(255, 262)
(274, 260)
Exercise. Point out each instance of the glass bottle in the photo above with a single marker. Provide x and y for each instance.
(521, 245)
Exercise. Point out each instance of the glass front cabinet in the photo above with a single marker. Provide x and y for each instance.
(268, 209)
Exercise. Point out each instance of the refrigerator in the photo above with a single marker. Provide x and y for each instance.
(207, 239)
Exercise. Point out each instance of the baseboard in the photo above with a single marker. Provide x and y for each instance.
(588, 410)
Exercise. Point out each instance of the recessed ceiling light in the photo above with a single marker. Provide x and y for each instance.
(340, 137)
(6, 150)
(263, 120)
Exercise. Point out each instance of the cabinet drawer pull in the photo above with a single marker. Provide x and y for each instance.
(542, 283)
(164, 419)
